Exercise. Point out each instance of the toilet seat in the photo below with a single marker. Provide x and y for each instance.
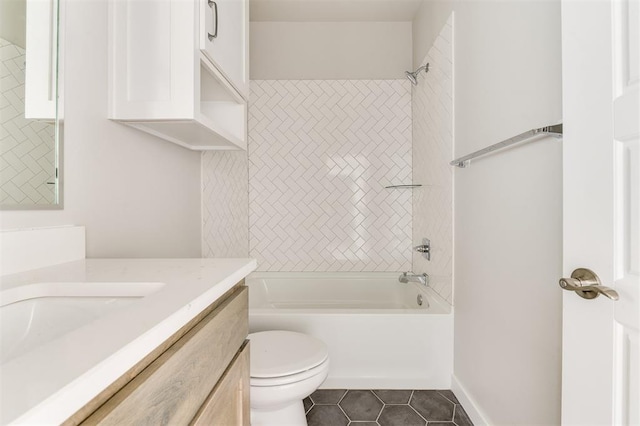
(292, 378)
(281, 357)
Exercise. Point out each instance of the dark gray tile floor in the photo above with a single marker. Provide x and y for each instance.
(339, 407)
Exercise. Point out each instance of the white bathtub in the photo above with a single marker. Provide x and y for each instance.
(378, 335)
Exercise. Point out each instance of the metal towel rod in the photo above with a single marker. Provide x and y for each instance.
(554, 130)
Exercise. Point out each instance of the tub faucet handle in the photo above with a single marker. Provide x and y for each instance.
(424, 248)
(407, 277)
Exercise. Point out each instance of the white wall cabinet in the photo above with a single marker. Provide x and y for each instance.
(224, 35)
(162, 82)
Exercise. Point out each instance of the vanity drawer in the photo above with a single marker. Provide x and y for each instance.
(228, 403)
(172, 388)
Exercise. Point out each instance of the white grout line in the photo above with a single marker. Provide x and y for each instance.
(376, 395)
(343, 412)
(342, 397)
(380, 413)
(448, 399)
(416, 411)
(312, 405)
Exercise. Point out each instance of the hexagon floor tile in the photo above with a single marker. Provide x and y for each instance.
(361, 405)
(432, 406)
(325, 415)
(339, 407)
(400, 415)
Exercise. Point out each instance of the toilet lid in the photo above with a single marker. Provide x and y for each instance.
(282, 353)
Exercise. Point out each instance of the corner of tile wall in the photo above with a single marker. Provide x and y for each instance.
(432, 102)
(225, 204)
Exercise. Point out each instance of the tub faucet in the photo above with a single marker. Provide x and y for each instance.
(408, 277)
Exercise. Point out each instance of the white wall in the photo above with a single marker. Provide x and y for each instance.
(427, 24)
(330, 50)
(507, 220)
(137, 195)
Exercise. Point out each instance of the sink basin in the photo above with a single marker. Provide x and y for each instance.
(35, 314)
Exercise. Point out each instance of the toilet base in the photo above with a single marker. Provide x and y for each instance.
(289, 415)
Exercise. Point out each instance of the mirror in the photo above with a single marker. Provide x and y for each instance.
(31, 105)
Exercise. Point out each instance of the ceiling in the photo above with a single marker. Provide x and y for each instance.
(334, 10)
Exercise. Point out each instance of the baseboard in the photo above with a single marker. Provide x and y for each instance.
(384, 383)
(469, 405)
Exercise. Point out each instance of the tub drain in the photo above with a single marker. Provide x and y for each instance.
(419, 300)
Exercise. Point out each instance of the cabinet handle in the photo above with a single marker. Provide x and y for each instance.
(214, 13)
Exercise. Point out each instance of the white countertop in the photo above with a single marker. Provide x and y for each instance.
(50, 383)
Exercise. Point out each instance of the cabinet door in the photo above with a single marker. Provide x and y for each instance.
(41, 62)
(228, 403)
(151, 60)
(224, 38)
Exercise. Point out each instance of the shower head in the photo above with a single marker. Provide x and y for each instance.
(413, 76)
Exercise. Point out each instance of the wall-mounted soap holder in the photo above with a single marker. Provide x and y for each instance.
(424, 248)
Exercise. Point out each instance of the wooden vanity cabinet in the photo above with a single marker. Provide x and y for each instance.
(200, 376)
(228, 403)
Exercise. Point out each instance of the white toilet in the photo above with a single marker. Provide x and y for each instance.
(286, 367)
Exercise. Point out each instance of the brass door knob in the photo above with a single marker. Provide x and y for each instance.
(586, 284)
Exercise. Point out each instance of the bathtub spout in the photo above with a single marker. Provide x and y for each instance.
(408, 277)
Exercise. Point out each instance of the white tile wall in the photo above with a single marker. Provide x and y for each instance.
(26, 146)
(320, 154)
(225, 210)
(432, 151)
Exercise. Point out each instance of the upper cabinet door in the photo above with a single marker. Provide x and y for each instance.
(224, 29)
(41, 61)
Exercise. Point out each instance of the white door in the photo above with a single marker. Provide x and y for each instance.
(601, 355)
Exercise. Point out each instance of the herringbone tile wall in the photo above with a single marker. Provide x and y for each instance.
(26, 146)
(225, 204)
(320, 154)
(432, 151)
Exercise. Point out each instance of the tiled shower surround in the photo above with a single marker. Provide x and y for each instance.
(432, 151)
(320, 155)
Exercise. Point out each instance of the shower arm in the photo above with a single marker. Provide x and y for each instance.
(424, 67)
